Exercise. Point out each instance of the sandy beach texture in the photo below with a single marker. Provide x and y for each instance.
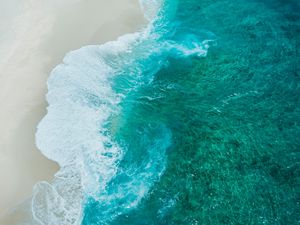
(34, 37)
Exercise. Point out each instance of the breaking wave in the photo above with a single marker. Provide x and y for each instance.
(101, 174)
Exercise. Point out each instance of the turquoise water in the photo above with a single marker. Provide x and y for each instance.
(194, 120)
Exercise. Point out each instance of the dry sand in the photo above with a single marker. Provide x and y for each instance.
(34, 37)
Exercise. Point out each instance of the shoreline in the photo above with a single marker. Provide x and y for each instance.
(30, 57)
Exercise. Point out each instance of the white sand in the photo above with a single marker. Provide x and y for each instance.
(34, 37)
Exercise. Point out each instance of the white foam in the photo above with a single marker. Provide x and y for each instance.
(150, 8)
(73, 133)
(80, 102)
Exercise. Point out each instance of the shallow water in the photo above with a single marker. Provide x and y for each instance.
(234, 117)
(195, 120)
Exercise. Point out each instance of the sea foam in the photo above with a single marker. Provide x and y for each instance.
(83, 99)
(80, 101)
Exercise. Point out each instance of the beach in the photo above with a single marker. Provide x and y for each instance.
(34, 37)
(186, 115)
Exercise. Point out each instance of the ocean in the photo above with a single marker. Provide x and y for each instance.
(195, 119)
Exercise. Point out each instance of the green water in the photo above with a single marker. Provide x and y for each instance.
(234, 116)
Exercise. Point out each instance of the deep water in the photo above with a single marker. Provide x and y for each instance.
(234, 117)
(194, 120)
